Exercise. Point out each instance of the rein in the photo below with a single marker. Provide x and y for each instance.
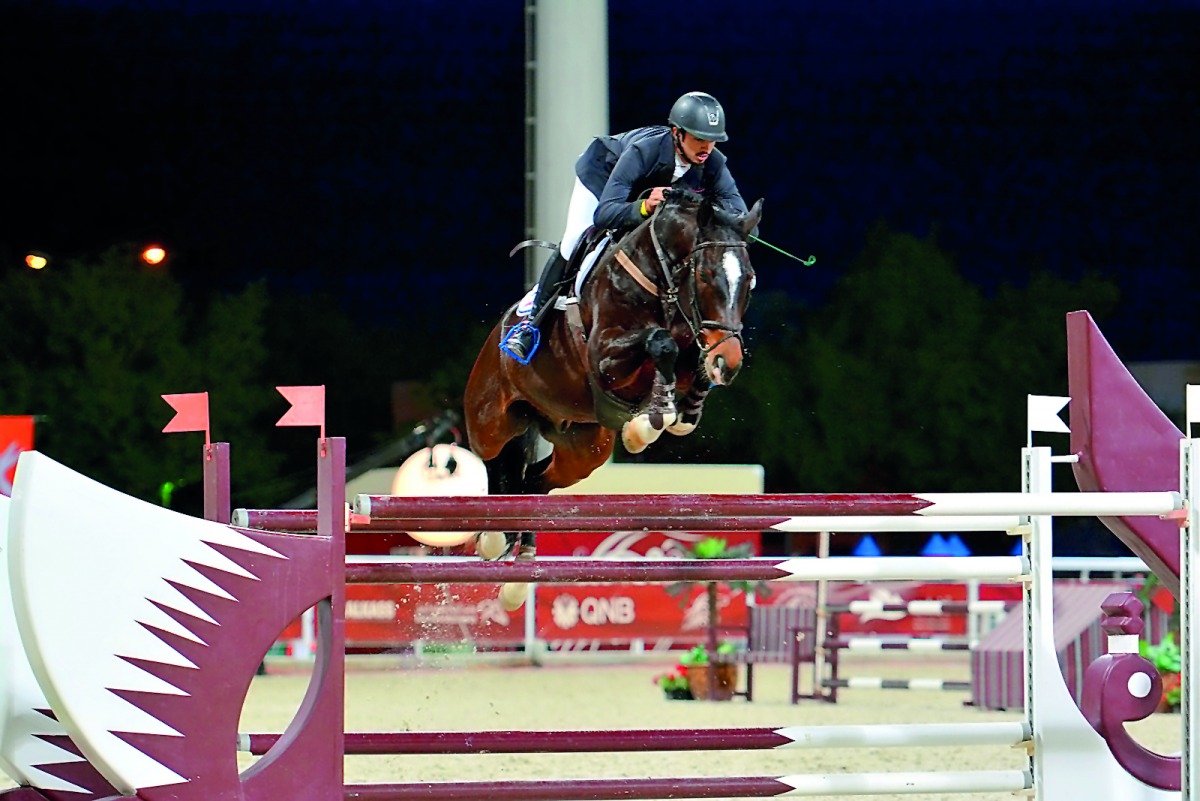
(670, 297)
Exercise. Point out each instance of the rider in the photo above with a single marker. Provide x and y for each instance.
(612, 175)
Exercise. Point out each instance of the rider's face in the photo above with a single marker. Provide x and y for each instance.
(694, 150)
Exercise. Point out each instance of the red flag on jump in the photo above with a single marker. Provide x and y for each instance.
(308, 407)
(191, 413)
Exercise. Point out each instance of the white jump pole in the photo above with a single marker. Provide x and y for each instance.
(849, 524)
(982, 781)
(1189, 628)
(906, 735)
(929, 607)
(1070, 759)
(822, 620)
(1058, 504)
(905, 568)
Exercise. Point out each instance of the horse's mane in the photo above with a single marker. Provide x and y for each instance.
(708, 215)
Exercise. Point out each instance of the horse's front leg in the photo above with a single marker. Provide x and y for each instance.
(647, 427)
(692, 406)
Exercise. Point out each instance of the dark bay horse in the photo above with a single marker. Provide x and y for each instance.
(657, 324)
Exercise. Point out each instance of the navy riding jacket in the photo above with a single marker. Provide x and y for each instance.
(618, 168)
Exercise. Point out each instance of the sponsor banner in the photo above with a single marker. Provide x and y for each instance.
(16, 435)
(592, 616)
(387, 615)
(618, 614)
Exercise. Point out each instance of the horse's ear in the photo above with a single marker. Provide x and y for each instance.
(750, 221)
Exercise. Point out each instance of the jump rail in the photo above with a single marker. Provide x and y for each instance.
(923, 607)
(572, 742)
(1061, 504)
(559, 570)
(713, 787)
(305, 520)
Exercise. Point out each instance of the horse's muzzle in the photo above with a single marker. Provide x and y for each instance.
(723, 361)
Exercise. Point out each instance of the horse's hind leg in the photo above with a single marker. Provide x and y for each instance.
(506, 476)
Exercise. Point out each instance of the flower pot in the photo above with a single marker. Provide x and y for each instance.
(713, 682)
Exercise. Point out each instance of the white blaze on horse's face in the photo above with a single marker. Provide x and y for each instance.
(733, 275)
(723, 361)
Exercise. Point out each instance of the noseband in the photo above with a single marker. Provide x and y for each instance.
(670, 297)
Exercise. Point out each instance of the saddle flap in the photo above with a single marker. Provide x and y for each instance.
(595, 246)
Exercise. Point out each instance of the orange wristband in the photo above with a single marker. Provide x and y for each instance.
(645, 213)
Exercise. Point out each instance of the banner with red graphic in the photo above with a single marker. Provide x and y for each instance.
(569, 616)
(595, 616)
(587, 616)
(16, 435)
(384, 615)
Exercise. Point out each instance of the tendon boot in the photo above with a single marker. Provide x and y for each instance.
(524, 337)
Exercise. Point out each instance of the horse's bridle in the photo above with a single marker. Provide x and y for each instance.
(670, 297)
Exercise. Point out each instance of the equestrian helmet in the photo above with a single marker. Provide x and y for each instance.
(701, 115)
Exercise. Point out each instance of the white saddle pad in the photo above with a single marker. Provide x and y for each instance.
(562, 301)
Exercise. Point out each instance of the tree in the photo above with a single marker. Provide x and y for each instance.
(908, 378)
(92, 345)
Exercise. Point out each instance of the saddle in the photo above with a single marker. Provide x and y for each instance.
(592, 245)
(611, 412)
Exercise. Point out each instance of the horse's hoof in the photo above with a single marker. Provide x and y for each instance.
(491, 545)
(632, 437)
(641, 431)
(685, 425)
(513, 595)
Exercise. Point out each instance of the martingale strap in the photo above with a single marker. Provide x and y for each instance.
(691, 264)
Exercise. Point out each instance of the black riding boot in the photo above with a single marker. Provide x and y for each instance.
(523, 338)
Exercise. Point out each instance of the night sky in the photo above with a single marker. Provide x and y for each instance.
(375, 148)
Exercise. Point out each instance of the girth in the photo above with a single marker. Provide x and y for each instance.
(611, 411)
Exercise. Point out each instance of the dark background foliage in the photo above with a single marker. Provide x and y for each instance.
(339, 183)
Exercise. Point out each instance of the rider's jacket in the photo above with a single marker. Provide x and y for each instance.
(618, 168)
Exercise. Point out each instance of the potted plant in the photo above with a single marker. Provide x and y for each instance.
(711, 679)
(1166, 656)
(674, 684)
(716, 548)
(1168, 661)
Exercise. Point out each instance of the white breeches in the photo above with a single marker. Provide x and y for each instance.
(580, 213)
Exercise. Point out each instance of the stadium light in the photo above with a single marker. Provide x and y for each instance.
(154, 255)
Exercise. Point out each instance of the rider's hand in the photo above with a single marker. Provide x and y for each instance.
(656, 196)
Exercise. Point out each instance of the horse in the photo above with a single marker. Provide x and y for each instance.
(657, 323)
